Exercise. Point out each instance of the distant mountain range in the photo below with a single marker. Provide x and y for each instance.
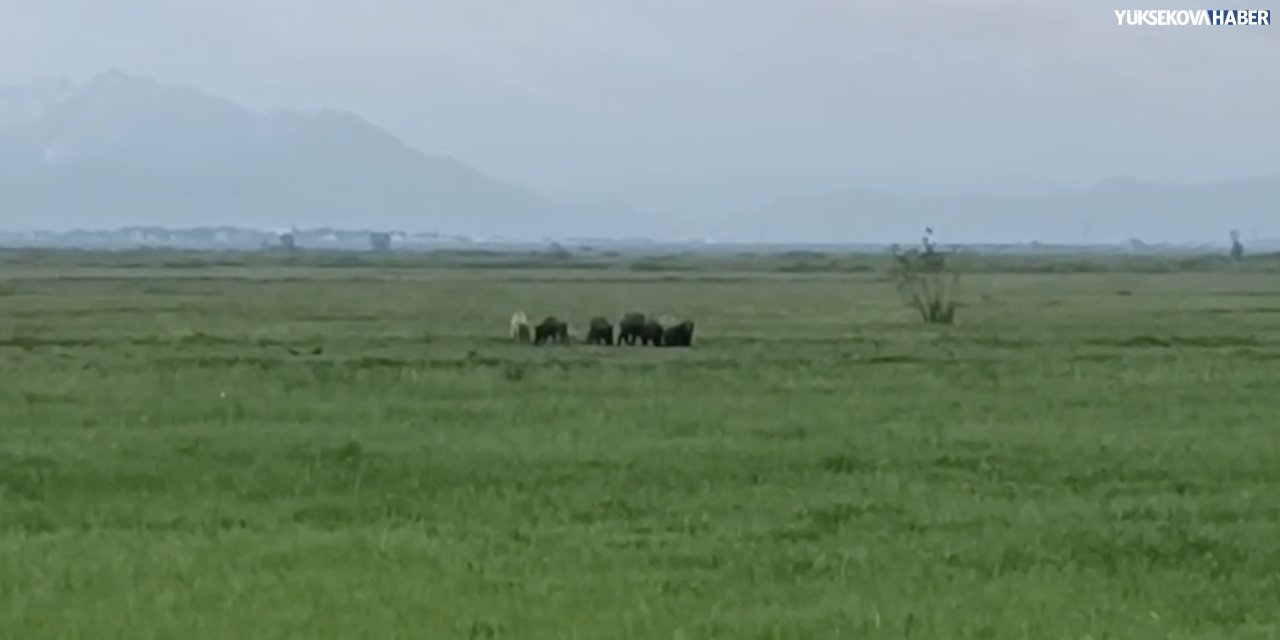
(1113, 210)
(120, 150)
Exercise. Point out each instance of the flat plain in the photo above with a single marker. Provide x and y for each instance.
(295, 447)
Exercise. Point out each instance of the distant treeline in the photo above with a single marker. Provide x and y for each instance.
(792, 262)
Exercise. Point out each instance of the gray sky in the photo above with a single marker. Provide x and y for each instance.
(632, 97)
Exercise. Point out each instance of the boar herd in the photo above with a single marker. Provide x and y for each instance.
(633, 328)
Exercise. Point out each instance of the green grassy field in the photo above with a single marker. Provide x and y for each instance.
(1083, 455)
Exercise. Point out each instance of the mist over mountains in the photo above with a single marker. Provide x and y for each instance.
(121, 150)
(1114, 210)
(129, 151)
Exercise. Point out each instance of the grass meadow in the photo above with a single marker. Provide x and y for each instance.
(1091, 451)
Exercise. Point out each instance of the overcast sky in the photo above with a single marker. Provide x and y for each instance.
(619, 97)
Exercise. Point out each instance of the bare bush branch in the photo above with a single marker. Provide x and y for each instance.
(925, 283)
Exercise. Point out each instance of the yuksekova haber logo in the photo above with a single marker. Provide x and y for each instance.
(1193, 17)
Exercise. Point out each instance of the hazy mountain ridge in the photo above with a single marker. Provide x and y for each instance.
(1113, 210)
(129, 151)
(123, 151)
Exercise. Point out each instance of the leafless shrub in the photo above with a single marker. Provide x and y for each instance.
(925, 282)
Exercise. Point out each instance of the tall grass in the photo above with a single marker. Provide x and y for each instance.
(1070, 461)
